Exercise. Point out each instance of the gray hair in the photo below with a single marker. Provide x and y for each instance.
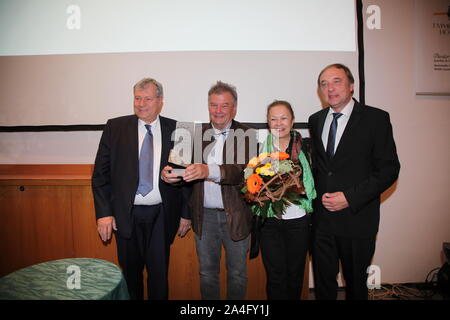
(222, 87)
(142, 84)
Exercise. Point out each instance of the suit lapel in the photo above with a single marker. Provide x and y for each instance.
(320, 123)
(166, 136)
(355, 117)
(133, 137)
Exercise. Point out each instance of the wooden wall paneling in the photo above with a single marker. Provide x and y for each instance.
(50, 232)
(184, 278)
(40, 217)
(256, 279)
(87, 242)
(54, 218)
(10, 238)
(305, 289)
(46, 171)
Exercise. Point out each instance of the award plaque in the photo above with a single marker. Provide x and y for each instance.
(180, 156)
(176, 163)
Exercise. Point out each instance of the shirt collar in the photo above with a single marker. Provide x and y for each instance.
(346, 111)
(226, 129)
(154, 124)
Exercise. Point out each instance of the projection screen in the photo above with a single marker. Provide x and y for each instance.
(75, 62)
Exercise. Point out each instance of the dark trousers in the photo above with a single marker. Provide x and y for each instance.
(355, 256)
(284, 245)
(147, 247)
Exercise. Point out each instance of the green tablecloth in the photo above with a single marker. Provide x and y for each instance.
(66, 279)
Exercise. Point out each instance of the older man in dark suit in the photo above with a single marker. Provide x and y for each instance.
(130, 196)
(355, 160)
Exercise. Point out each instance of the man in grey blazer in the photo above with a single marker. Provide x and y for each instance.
(145, 211)
(354, 161)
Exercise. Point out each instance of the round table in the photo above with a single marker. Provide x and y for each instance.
(66, 279)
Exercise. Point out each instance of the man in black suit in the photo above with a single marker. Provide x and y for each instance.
(130, 197)
(355, 160)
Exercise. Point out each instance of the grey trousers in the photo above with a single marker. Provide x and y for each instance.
(215, 233)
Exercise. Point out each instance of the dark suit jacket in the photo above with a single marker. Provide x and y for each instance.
(239, 215)
(365, 164)
(116, 176)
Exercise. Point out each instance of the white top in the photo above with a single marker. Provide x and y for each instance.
(341, 124)
(154, 196)
(293, 212)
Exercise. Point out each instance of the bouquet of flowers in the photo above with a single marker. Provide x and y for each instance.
(272, 183)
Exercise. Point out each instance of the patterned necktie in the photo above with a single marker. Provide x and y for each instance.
(332, 135)
(146, 164)
(220, 134)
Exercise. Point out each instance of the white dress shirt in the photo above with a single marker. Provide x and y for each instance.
(212, 189)
(341, 124)
(154, 196)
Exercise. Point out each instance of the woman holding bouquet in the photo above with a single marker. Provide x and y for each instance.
(284, 240)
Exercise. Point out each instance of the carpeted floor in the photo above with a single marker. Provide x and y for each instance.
(419, 291)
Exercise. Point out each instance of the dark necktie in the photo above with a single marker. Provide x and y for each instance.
(146, 164)
(332, 135)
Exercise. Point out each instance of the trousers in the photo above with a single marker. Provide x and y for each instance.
(284, 246)
(355, 255)
(215, 234)
(146, 247)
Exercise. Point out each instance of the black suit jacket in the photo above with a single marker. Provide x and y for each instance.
(116, 176)
(365, 164)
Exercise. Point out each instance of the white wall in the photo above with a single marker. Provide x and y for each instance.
(415, 216)
(91, 88)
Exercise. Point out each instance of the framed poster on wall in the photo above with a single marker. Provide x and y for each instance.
(432, 31)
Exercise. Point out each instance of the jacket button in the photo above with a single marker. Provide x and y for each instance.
(330, 174)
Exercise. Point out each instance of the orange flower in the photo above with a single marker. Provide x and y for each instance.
(254, 183)
(279, 155)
